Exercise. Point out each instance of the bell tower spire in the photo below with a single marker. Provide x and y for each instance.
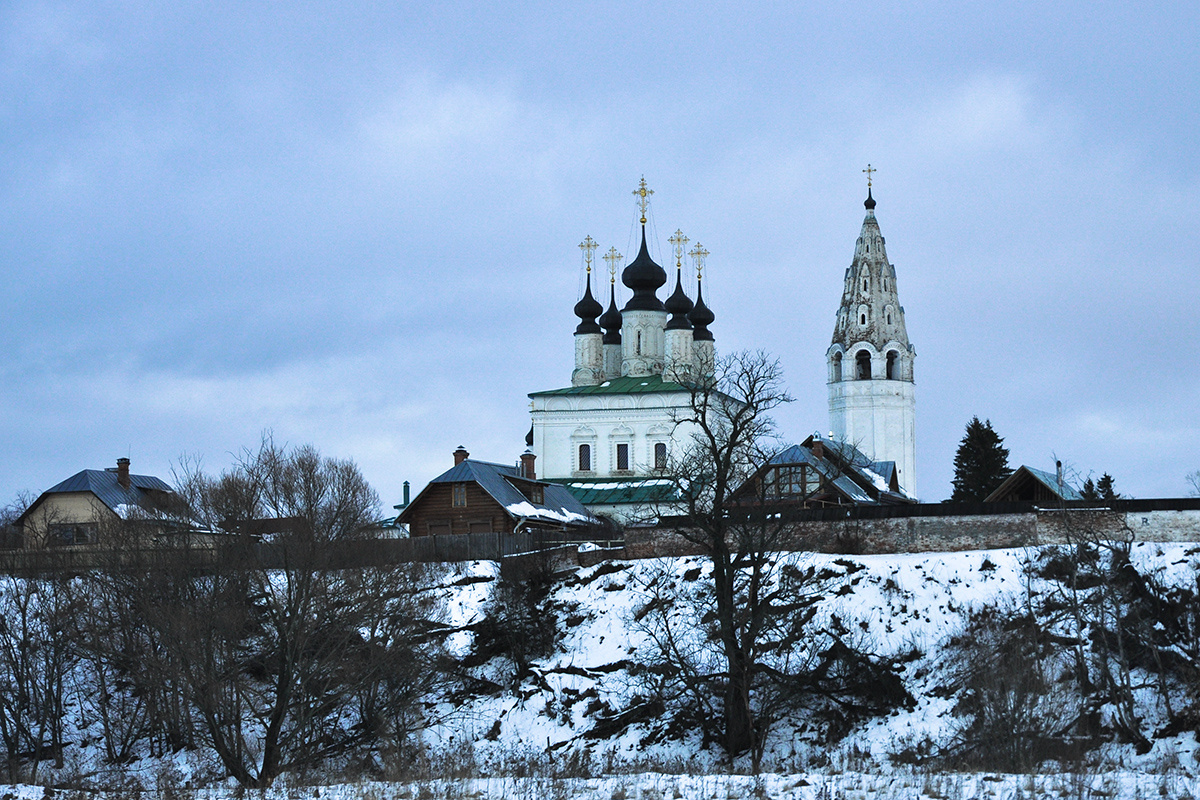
(871, 387)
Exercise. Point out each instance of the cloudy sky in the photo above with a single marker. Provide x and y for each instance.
(356, 225)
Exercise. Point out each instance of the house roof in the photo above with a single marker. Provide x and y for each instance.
(620, 491)
(104, 485)
(625, 385)
(1047, 479)
(499, 481)
(846, 468)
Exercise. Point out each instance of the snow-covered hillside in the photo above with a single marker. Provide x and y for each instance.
(556, 725)
(906, 605)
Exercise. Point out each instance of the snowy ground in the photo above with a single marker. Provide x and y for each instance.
(902, 604)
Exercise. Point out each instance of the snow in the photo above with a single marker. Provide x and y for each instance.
(902, 603)
(528, 510)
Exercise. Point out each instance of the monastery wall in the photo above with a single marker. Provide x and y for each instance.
(943, 533)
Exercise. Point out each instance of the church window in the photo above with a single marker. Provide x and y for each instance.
(837, 367)
(660, 455)
(623, 457)
(891, 365)
(863, 360)
(585, 458)
(889, 318)
(639, 343)
(862, 319)
(460, 495)
(864, 284)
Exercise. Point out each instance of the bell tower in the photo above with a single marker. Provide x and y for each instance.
(871, 392)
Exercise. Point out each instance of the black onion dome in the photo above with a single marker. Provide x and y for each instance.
(611, 319)
(587, 310)
(644, 276)
(870, 201)
(701, 317)
(680, 305)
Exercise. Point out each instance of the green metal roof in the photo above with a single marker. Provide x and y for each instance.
(609, 491)
(626, 385)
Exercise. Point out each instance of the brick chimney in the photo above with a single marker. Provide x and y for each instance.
(818, 449)
(460, 455)
(527, 470)
(123, 472)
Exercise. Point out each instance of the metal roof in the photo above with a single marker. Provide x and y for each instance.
(1050, 481)
(626, 385)
(618, 491)
(103, 483)
(496, 480)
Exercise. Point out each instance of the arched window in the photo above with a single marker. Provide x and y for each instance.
(639, 343)
(837, 367)
(864, 284)
(862, 319)
(891, 365)
(863, 360)
(585, 458)
(660, 455)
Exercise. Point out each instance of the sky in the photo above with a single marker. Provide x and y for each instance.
(356, 225)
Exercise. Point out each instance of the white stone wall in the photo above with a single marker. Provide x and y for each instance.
(589, 360)
(643, 339)
(879, 418)
(562, 422)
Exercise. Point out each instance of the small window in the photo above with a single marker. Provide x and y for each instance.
(460, 495)
(660, 456)
(862, 319)
(864, 284)
(639, 343)
(438, 527)
(891, 365)
(480, 527)
(889, 318)
(585, 458)
(537, 494)
(623, 457)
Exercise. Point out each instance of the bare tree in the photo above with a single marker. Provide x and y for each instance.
(1193, 480)
(771, 650)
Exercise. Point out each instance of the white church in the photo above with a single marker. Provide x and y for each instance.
(608, 435)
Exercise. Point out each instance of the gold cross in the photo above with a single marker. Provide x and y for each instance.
(679, 241)
(698, 255)
(588, 246)
(613, 258)
(643, 195)
(869, 170)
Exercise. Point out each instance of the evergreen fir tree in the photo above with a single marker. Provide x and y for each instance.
(981, 463)
(1104, 487)
(1088, 492)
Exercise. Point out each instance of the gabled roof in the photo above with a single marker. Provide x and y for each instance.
(500, 481)
(1025, 474)
(844, 467)
(104, 485)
